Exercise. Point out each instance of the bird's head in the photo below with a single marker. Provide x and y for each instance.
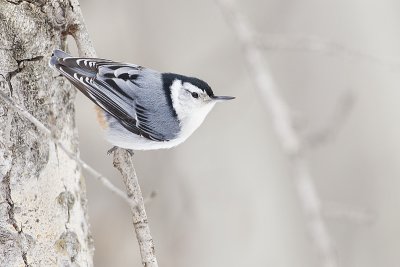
(191, 98)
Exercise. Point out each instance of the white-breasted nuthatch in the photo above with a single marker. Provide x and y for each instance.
(139, 108)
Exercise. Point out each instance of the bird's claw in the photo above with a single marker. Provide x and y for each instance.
(112, 150)
(130, 152)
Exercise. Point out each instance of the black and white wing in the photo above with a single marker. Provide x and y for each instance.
(108, 84)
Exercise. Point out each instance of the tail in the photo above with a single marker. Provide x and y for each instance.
(68, 65)
(56, 56)
(76, 70)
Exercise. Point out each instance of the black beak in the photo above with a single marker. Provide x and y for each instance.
(222, 98)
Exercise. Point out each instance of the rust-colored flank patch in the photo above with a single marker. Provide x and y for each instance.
(101, 117)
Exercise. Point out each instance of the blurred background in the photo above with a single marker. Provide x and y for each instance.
(227, 197)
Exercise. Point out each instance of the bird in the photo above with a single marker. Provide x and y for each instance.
(139, 108)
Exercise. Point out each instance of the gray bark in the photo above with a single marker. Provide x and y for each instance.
(43, 214)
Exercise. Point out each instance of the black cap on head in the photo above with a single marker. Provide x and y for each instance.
(168, 79)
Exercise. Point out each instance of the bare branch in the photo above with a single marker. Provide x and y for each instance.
(78, 30)
(312, 208)
(354, 215)
(285, 131)
(146, 244)
(301, 42)
(341, 113)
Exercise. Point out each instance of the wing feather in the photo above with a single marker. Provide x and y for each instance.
(109, 85)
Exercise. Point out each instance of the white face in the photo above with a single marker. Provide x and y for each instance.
(188, 100)
(191, 105)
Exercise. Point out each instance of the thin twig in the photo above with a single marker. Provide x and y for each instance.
(353, 215)
(78, 30)
(123, 162)
(122, 158)
(302, 42)
(284, 127)
(98, 176)
(341, 113)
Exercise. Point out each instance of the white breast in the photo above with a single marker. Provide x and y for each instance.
(190, 123)
(121, 137)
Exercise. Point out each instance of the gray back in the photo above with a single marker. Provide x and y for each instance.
(153, 108)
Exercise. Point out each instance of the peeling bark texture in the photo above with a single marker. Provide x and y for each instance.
(43, 214)
(123, 162)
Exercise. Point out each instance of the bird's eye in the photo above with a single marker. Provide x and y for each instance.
(195, 95)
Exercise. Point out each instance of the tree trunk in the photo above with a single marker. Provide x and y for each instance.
(43, 214)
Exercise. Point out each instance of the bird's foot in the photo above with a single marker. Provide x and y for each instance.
(112, 150)
(130, 152)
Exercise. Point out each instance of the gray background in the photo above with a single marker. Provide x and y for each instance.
(226, 197)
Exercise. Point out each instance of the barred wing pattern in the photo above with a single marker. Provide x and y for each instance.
(110, 85)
